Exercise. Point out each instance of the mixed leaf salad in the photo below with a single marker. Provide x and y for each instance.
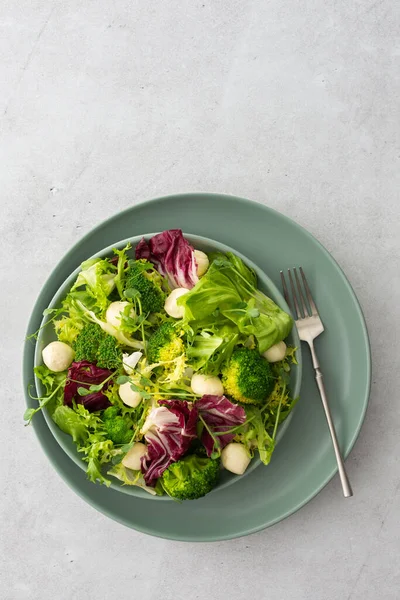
(169, 365)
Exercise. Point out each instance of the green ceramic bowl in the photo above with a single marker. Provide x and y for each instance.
(304, 462)
(47, 335)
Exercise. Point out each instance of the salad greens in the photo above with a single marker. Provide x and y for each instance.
(229, 287)
(128, 398)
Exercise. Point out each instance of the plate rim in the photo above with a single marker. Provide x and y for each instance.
(349, 289)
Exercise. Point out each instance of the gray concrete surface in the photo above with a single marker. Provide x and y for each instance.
(294, 104)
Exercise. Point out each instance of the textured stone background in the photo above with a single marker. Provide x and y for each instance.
(294, 104)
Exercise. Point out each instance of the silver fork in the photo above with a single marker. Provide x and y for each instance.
(309, 326)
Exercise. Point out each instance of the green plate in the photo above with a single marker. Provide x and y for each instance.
(304, 462)
(47, 335)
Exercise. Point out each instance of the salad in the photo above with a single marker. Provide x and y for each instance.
(169, 365)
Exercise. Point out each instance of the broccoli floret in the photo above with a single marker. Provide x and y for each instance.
(165, 344)
(110, 413)
(109, 355)
(143, 277)
(118, 430)
(191, 477)
(96, 346)
(248, 377)
(117, 427)
(87, 343)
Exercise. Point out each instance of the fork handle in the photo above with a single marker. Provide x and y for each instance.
(347, 491)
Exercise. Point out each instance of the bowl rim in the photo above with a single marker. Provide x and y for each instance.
(58, 434)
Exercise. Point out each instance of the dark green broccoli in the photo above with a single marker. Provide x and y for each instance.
(143, 277)
(109, 355)
(248, 377)
(165, 344)
(87, 342)
(96, 346)
(110, 413)
(191, 477)
(117, 428)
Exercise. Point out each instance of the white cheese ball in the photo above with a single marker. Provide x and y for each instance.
(128, 395)
(57, 356)
(171, 307)
(132, 458)
(202, 262)
(235, 458)
(203, 384)
(276, 352)
(113, 313)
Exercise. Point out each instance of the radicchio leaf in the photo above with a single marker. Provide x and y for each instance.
(219, 414)
(172, 256)
(142, 250)
(173, 428)
(84, 374)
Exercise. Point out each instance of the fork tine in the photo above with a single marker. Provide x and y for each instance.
(297, 312)
(285, 290)
(306, 311)
(314, 309)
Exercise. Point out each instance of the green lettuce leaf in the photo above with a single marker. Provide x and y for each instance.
(129, 477)
(257, 436)
(214, 291)
(208, 349)
(98, 278)
(54, 386)
(89, 434)
(94, 472)
(48, 378)
(72, 423)
(229, 288)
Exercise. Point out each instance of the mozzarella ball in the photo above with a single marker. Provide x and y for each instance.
(276, 352)
(132, 458)
(202, 385)
(57, 356)
(171, 307)
(113, 313)
(235, 458)
(128, 395)
(202, 262)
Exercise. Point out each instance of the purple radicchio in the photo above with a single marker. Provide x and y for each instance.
(219, 414)
(172, 256)
(84, 374)
(173, 427)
